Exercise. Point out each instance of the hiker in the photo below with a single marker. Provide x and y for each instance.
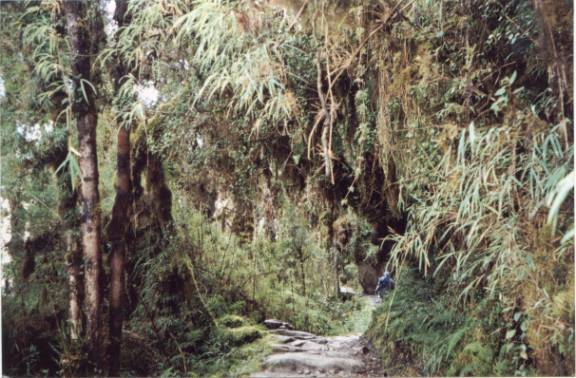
(385, 283)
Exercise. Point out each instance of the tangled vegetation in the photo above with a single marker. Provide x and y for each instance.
(176, 171)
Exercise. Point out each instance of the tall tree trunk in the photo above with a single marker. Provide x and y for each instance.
(119, 229)
(118, 232)
(67, 199)
(84, 108)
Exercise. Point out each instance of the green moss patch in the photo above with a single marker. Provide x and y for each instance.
(234, 321)
(240, 335)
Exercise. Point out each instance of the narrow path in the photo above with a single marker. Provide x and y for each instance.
(303, 354)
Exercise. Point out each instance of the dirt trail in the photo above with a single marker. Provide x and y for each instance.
(303, 354)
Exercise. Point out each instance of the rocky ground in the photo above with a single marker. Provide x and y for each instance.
(303, 354)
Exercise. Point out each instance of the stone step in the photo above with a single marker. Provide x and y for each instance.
(287, 362)
(275, 324)
(300, 335)
(283, 339)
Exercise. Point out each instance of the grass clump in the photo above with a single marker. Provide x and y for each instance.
(233, 321)
(240, 335)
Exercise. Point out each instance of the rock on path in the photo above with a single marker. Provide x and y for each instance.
(303, 354)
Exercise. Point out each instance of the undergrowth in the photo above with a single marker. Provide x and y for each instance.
(419, 327)
(206, 321)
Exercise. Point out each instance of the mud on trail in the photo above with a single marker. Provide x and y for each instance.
(303, 354)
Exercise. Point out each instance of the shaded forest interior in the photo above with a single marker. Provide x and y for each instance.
(175, 172)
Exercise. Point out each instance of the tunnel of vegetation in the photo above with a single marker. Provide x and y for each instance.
(176, 171)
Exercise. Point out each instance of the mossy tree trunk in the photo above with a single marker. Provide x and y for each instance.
(84, 109)
(151, 220)
(119, 229)
(119, 236)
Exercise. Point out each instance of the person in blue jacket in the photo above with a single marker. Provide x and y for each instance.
(385, 283)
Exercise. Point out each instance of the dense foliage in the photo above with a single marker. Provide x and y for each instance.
(276, 150)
